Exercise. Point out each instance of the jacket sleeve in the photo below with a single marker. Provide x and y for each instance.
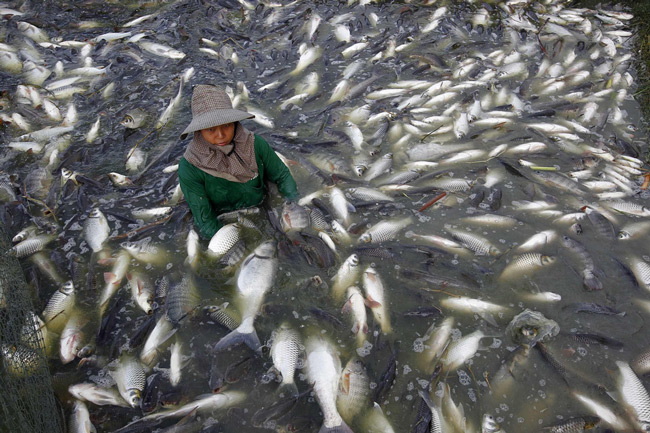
(193, 187)
(275, 170)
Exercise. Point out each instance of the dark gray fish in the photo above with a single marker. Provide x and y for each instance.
(590, 338)
(424, 311)
(602, 225)
(139, 336)
(387, 378)
(589, 273)
(217, 377)
(236, 371)
(590, 307)
(181, 300)
(438, 280)
(494, 198)
(151, 392)
(234, 255)
(326, 316)
(277, 410)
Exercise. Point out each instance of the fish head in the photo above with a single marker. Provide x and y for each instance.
(134, 397)
(267, 249)
(548, 260)
(353, 260)
(489, 424)
(67, 288)
(623, 235)
(365, 238)
(86, 351)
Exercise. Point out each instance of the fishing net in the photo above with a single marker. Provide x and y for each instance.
(27, 402)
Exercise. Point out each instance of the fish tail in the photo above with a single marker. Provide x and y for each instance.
(235, 337)
(288, 389)
(341, 428)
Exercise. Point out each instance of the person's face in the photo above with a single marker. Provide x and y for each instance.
(219, 135)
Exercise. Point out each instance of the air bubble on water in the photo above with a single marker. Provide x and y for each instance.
(471, 394)
(646, 258)
(270, 424)
(520, 420)
(455, 334)
(365, 349)
(75, 226)
(295, 314)
(542, 382)
(162, 236)
(455, 262)
(410, 386)
(503, 241)
(423, 383)
(397, 398)
(418, 345)
(409, 397)
(423, 218)
(582, 351)
(504, 407)
(500, 419)
(463, 377)
(372, 385)
(406, 370)
(496, 343)
(541, 393)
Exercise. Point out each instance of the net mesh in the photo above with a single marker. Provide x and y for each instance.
(27, 398)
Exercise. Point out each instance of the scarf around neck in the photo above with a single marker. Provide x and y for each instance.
(236, 165)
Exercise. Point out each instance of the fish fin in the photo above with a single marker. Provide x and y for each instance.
(347, 306)
(341, 428)
(488, 317)
(235, 337)
(129, 276)
(355, 327)
(140, 287)
(288, 389)
(106, 261)
(365, 328)
(351, 207)
(371, 303)
(109, 277)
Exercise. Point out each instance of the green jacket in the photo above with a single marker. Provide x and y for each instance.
(209, 196)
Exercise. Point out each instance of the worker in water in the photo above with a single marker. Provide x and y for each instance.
(225, 166)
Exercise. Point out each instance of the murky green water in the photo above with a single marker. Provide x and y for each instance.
(265, 39)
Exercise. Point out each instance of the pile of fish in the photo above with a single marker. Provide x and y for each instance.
(467, 254)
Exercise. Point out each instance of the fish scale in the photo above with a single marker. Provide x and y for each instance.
(634, 394)
(284, 352)
(224, 239)
(478, 244)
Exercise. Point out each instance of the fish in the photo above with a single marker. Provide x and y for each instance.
(166, 115)
(480, 245)
(72, 337)
(355, 306)
(376, 298)
(525, 265)
(80, 418)
(160, 50)
(347, 275)
(438, 424)
(285, 350)
(60, 307)
(461, 350)
(134, 119)
(634, 394)
(354, 390)
(97, 395)
(376, 420)
(96, 230)
(385, 230)
(114, 278)
(159, 335)
(32, 245)
(142, 290)
(181, 300)
(256, 276)
(576, 424)
(130, 379)
(490, 425)
(323, 368)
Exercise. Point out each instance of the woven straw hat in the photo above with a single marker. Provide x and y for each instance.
(211, 106)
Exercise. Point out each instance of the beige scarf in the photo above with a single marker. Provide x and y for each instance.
(235, 163)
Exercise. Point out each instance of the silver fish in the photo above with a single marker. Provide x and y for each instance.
(354, 390)
(96, 229)
(376, 298)
(160, 334)
(385, 230)
(324, 372)
(32, 245)
(634, 394)
(480, 245)
(461, 350)
(285, 349)
(142, 290)
(256, 277)
(96, 394)
(356, 307)
(59, 307)
(525, 265)
(80, 419)
(130, 379)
